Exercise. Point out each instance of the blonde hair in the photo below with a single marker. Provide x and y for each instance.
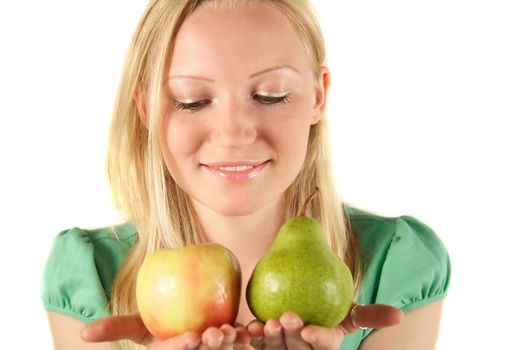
(143, 190)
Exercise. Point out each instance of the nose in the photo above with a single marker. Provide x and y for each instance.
(232, 125)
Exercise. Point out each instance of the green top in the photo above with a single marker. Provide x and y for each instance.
(405, 265)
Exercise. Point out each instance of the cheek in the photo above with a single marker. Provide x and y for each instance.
(180, 140)
(289, 135)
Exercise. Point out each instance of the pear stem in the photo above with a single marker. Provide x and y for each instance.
(308, 200)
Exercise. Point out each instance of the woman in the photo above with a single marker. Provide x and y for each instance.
(219, 135)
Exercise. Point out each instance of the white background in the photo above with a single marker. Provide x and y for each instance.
(425, 111)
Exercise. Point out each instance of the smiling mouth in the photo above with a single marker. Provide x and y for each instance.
(235, 168)
(236, 172)
(235, 165)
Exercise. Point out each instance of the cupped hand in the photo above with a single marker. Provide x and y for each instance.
(132, 328)
(289, 332)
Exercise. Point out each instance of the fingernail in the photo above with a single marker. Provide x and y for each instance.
(227, 332)
(213, 343)
(290, 323)
(84, 334)
(275, 331)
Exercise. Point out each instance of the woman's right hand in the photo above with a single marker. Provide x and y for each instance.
(132, 328)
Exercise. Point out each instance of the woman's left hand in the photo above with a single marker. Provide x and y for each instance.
(289, 332)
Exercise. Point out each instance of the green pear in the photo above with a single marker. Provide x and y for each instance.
(300, 273)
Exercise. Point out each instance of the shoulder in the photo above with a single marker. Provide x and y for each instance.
(405, 262)
(80, 269)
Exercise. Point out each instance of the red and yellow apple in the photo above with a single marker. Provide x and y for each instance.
(188, 289)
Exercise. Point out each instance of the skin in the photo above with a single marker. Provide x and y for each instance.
(226, 48)
(235, 126)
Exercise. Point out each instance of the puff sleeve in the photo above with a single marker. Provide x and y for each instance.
(416, 270)
(71, 284)
(406, 265)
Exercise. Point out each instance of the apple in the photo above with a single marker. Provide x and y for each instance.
(188, 289)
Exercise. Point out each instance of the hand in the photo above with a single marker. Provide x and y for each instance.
(132, 328)
(289, 331)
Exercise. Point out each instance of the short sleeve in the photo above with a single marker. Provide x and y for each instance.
(71, 284)
(405, 264)
(416, 269)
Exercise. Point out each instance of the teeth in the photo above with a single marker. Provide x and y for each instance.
(235, 168)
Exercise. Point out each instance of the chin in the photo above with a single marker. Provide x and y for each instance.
(235, 206)
(232, 203)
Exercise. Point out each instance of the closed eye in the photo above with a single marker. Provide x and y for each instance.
(271, 100)
(263, 99)
(191, 106)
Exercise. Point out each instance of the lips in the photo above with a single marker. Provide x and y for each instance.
(235, 168)
(236, 171)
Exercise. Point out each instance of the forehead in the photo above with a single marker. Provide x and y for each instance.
(250, 37)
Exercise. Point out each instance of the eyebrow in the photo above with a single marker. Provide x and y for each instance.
(179, 76)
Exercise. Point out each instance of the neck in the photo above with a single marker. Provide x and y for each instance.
(247, 236)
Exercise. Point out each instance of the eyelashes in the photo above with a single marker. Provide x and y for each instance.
(272, 100)
(262, 99)
(192, 106)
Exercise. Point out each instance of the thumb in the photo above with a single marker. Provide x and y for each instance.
(371, 316)
(117, 328)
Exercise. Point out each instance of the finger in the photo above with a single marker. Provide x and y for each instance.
(273, 335)
(115, 328)
(184, 341)
(322, 338)
(255, 329)
(256, 332)
(292, 326)
(229, 336)
(212, 339)
(372, 316)
(242, 337)
(244, 347)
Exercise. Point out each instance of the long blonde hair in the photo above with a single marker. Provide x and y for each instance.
(143, 190)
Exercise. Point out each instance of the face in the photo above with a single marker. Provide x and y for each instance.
(240, 98)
